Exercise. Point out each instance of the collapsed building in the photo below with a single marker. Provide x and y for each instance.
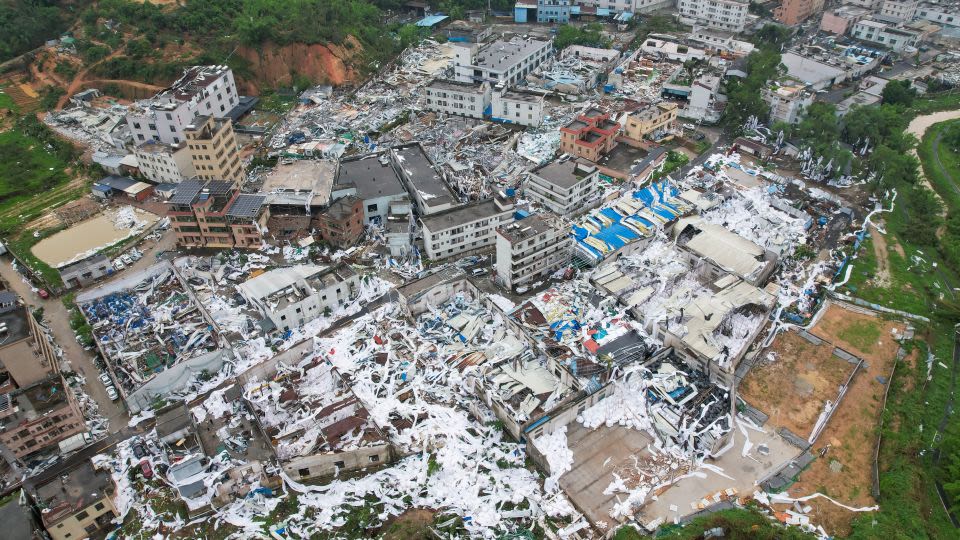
(288, 297)
(145, 323)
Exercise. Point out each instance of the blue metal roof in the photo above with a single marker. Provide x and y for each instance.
(431, 20)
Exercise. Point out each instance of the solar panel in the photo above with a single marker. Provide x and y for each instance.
(186, 192)
(218, 187)
(246, 205)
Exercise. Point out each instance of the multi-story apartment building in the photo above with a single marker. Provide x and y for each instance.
(796, 11)
(530, 248)
(290, 296)
(872, 5)
(202, 90)
(341, 225)
(26, 356)
(453, 97)
(466, 228)
(886, 35)
(650, 120)
(500, 62)
(215, 214)
(946, 13)
(213, 149)
(524, 108)
(839, 21)
(164, 163)
(898, 10)
(564, 186)
(787, 103)
(591, 135)
(39, 416)
(553, 11)
(76, 504)
(720, 14)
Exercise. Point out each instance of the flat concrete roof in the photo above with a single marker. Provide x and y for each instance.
(565, 174)
(306, 175)
(371, 177)
(461, 215)
(420, 171)
(17, 325)
(504, 55)
(456, 86)
(78, 488)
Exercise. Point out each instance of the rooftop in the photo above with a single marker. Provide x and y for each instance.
(503, 55)
(71, 492)
(456, 86)
(526, 97)
(371, 175)
(246, 205)
(36, 400)
(725, 248)
(565, 173)
(14, 320)
(190, 85)
(173, 419)
(419, 170)
(307, 175)
(461, 215)
(534, 225)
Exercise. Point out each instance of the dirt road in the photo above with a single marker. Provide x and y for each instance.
(919, 125)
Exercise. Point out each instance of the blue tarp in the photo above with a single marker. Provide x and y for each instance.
(431, 20)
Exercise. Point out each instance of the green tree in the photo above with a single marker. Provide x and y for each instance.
(924, 210)
(899, 93)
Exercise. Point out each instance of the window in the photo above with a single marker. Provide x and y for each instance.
(91, 528)
(338, 464)
(303, 472)
(374, 458)
(82, 516)
(371, 208)
(98, 506)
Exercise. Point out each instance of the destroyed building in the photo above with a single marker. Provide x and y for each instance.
(724, 251)
(145, 323)
(315, 422)
(426, 184)
(297, 191)
(202, 90)
(290, 296)
(532, 248)
(341, 224)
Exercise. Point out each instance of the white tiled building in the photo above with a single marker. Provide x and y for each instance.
(898, 10)
(466, 228)
(565, 187)
(164, 163)
(728, 15)
(942, 13)
(453, 97)
(291, 296)
(524, 108)
(202, 90)
(787, 103)
(506, 62)
(531, 248)
(887, 35)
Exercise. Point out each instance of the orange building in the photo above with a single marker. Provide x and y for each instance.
(590, 135)
(215, 214)
(793, 12)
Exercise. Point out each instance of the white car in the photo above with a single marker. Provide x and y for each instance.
(126, 259)
(112, 393)
(105, 379)
(118, 264)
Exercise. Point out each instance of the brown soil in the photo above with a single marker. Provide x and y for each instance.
(413, 524)
(851, 435)
(792, 389)
(276, 66)
(882, 279)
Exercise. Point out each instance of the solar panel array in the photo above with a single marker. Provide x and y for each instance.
(187, 191)
(246, 205)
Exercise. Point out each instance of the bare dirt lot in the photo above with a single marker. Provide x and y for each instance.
(847, 445)
(793, 387)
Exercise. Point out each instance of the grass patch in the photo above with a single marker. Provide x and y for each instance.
(6, 102)
(861, 334)
(736, 523)
(27, 168)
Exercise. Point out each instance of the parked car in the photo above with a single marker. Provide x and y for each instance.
(146, 469)
(42, 293)
(105, 379)
(118, 264)
(126, 259)
(112, 393)
(477, 272)
(139, 451)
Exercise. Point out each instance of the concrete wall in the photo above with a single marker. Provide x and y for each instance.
(325, 465)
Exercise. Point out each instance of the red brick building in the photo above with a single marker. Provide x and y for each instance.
(215, 214)
(341, 225)
(590, 135)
